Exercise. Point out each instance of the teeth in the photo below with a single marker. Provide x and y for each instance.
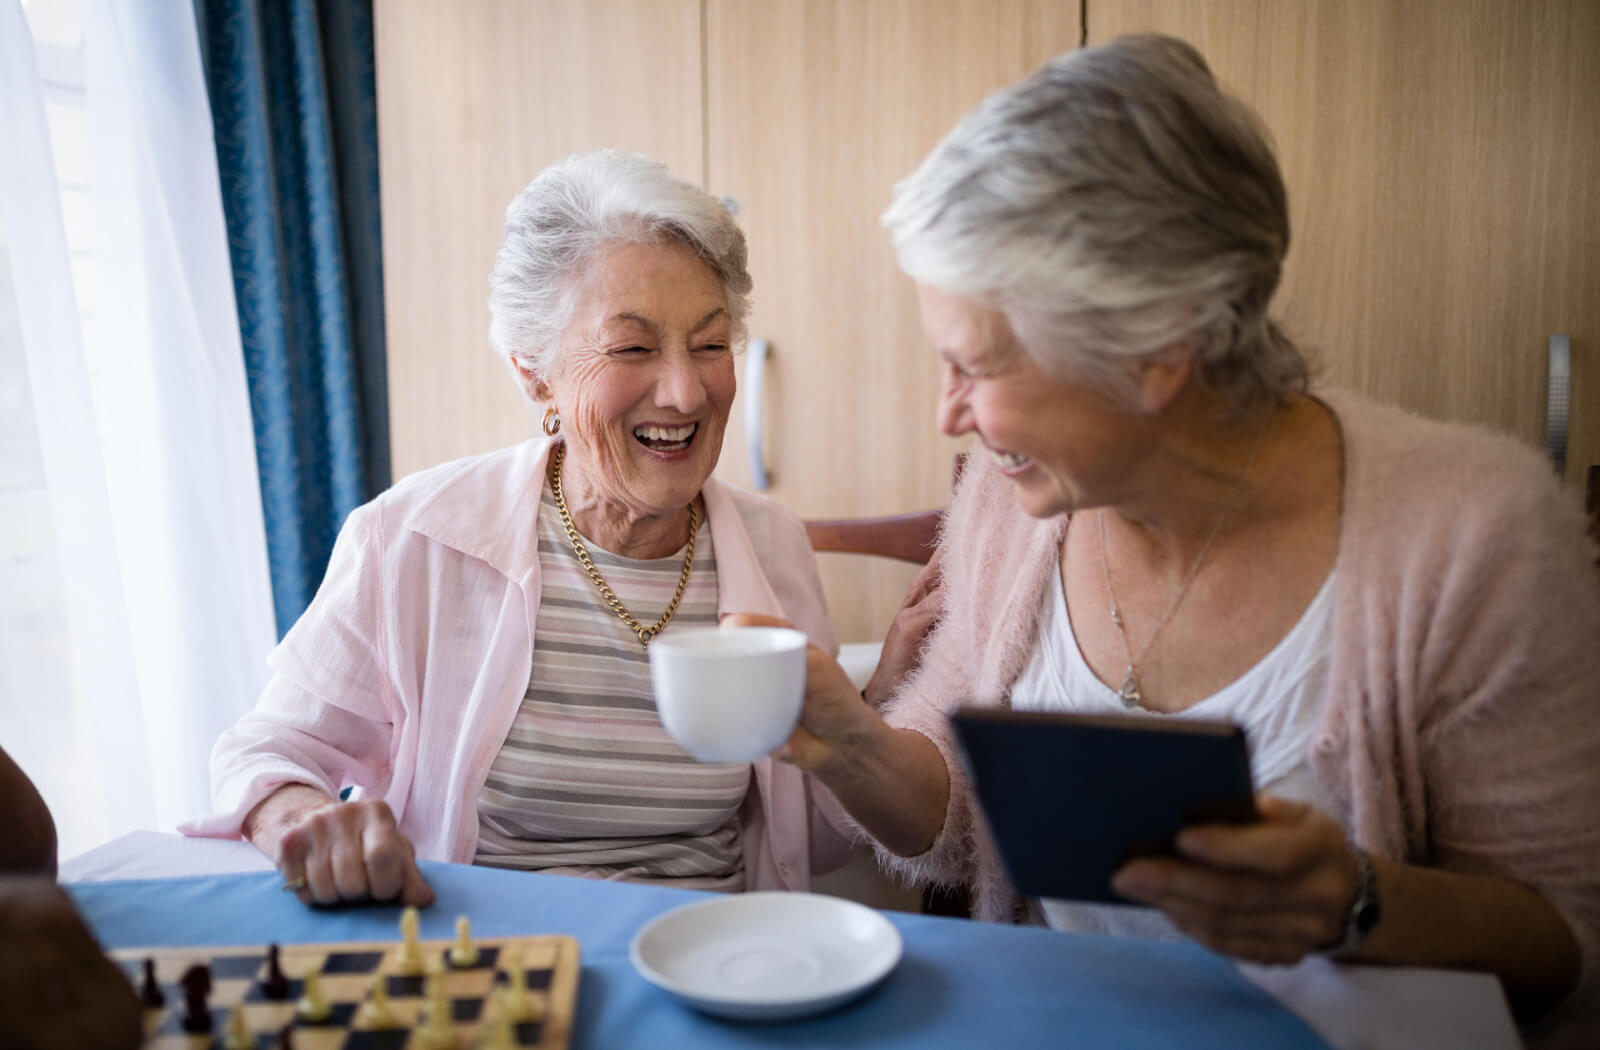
(653, 433)
(1009, 460)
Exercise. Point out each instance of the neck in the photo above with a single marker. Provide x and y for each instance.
(1204, 467)
(613, 524)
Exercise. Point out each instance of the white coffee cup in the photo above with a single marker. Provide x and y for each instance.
(729, 694)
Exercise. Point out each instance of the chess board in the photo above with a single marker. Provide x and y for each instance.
(346, 973)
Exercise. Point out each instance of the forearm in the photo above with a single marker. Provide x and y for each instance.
(1474, 922)
(894, 783)
(281, 810)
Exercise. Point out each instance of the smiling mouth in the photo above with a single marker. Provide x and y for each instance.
(666, 439)
(1009, 462)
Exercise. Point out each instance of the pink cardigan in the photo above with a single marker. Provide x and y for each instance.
(404, 675)
(1461, 730)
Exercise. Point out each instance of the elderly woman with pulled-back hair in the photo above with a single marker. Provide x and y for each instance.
(1168, 520)
(474, 662)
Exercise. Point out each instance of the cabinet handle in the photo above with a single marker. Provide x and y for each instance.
(1557, 397)
(755, 374)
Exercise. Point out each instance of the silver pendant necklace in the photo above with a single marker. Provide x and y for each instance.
(1128, 692)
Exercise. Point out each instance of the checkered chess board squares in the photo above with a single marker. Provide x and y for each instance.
(345, 974)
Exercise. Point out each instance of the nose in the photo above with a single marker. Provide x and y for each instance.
(679, 386)
(954, 414)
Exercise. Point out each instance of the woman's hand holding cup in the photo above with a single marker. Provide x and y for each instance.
(832, 713)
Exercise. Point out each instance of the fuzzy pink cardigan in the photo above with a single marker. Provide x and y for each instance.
(404, 675)
(1461, 729)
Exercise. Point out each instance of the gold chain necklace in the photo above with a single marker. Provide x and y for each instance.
(615, 603)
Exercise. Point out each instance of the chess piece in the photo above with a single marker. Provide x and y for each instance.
(196, 982)
(463, 953)
(496, 1032)
(150, 993)
(520, 1005)
(409, 961)
(286, 1037)
(239, 1037)
(275, 985)
(376, 1012)
(313, 1005)
(438, 1029)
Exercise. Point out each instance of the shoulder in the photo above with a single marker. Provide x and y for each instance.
(990, 544)
(495, 470)
(1427, 485)
(763, 517)
(479, 506)
(1388, 446)
(1459, 545)
(983, 508)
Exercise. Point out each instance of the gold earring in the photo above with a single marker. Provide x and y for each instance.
(552, 421)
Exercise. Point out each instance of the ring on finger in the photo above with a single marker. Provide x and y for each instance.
(294, 885)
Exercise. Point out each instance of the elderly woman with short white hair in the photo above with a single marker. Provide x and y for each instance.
(1167, 520)
(474, 663)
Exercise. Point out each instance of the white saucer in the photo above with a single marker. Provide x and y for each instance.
(766, 956)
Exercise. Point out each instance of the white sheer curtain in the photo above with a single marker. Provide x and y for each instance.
(134, 594)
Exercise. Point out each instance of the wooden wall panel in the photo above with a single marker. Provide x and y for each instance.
(473, 100)
(814, 109)
(1443, 163)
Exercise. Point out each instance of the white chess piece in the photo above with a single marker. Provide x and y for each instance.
(496, 1033)
(521, 1005)
(409, 961)
(463, 953)
(238, 1037)
(313, 1005)
(376, 1012)
(438, 1029)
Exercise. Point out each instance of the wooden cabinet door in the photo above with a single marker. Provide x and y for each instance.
(1443, 164)
(815, 108)
(473, 100)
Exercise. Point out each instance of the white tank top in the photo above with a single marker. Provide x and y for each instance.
(1277, 703)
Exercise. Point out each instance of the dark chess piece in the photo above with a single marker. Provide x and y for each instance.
(286, 1037)
(150, 993)
(196, 982)
(274, 985)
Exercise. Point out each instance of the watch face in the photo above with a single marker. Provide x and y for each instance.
(1366, 914)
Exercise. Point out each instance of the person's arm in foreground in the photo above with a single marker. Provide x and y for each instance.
(1279, 890)
(29, 842)
(58, 991)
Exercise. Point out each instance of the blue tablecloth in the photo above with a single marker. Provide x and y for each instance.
(960, 984)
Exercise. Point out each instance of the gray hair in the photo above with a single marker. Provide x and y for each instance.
(1114, 203)
(581, 206)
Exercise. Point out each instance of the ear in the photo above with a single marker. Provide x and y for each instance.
(531, 382)
(1162, 376)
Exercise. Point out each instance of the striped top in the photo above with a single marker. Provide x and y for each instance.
(587, 781)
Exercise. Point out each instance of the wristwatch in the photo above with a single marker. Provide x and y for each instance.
(1364, 913)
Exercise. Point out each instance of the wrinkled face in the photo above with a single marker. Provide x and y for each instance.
(644, 377)
(1066, 446)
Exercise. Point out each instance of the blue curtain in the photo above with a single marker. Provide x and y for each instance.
(294, 110)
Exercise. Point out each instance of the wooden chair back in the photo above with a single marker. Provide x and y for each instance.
(904, 537)
(1591, 503)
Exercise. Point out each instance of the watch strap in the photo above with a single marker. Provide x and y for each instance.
(1362, 917)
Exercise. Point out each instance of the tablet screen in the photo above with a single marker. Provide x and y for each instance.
(1071, 798)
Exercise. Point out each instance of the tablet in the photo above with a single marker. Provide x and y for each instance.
(1071, 798)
